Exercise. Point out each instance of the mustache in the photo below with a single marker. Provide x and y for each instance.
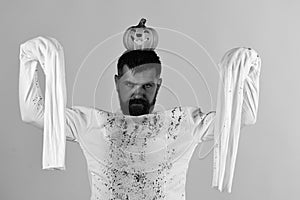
(138, 101)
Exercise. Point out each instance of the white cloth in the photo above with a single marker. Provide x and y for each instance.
(239, 79)
(49, 53)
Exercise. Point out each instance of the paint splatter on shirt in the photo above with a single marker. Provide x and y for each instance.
(138, 157)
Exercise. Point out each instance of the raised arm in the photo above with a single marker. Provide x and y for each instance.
(47, 53)
(31, 101)
(237, 106)
(250, 90)
(52, 114)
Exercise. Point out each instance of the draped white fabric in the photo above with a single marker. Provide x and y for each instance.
(49, 53)
(239, 79)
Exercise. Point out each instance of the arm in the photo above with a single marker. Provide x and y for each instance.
(249, 106)
(48, 52)
(31, 101)
(237, 106)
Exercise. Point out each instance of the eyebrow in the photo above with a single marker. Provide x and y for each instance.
(142, 83)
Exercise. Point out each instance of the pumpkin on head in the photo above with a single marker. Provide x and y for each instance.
(140, 37)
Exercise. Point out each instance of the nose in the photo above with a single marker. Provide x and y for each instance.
(139, 91)
(139, 34)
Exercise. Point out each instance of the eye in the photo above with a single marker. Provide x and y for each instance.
(129, 84)
(148, 86)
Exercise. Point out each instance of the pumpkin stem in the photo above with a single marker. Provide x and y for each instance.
(141, 23)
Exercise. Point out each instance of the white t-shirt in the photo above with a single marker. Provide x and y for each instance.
(138, 157)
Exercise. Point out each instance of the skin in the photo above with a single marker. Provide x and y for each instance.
(137, 89)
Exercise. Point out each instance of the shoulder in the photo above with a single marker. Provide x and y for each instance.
(80, 111)
(84, 116)
(87, 110)
(89, 117)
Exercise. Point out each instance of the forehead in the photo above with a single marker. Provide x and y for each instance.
(140, 74)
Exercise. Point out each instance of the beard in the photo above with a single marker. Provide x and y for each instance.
(138, 106)
(141, 106)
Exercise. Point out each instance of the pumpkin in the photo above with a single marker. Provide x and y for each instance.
(140, 37)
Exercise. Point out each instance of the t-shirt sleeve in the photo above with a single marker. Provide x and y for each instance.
(32, 105)
(202, 124)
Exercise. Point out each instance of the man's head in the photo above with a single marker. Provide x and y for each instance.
(138, 81)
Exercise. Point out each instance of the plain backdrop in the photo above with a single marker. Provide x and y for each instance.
(268, 160)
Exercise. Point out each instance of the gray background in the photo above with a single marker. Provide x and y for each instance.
(268, 160)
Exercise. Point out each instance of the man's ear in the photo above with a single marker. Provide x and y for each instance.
(117, 81)
(159, 82)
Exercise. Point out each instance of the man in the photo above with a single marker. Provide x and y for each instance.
(138, 81)
(140, 154)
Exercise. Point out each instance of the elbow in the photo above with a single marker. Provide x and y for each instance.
(25, 118)
(26, 115)
(249, 115)
(34, 122)
(249, 119)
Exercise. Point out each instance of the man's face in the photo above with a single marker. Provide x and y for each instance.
(137, 91)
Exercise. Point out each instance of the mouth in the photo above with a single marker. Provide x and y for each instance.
(137, 101)
(137, 104)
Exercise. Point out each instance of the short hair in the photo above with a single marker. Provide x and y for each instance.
(134, 58)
